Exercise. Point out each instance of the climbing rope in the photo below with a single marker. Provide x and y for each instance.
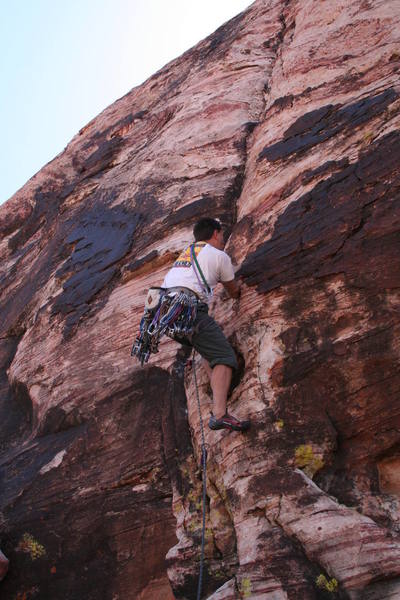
(204, 465)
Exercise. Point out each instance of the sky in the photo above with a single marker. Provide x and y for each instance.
(63, 61)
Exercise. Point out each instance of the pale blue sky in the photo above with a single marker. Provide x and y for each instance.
(63, 61)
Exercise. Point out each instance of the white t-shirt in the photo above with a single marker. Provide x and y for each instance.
(215, 265)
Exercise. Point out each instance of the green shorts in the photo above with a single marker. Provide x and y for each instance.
(209, 341)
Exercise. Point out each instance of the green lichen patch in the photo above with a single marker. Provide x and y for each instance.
(194, 525)
(195, 500)
(218, 574)
(30, 546)
(178, 507)
(306, 460)
(330, 585)
(245, 588)
(368, 137)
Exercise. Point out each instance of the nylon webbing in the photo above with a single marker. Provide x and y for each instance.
(204, 465)
(196, 267)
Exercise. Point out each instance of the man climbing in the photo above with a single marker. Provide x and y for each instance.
(196, 271)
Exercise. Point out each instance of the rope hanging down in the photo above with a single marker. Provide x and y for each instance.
(204, 465)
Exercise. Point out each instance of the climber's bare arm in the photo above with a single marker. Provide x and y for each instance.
(232, 287)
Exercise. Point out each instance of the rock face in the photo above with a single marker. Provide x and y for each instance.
(285, 123)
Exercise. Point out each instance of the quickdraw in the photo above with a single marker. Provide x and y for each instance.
(174, 314)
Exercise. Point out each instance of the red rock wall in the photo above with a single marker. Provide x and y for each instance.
(285, 124)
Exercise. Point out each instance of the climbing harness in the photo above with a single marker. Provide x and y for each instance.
(167, 311)
(204, 466)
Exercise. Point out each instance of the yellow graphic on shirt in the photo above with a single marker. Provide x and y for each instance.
(184, 259)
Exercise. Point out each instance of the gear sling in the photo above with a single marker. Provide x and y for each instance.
(168, 312)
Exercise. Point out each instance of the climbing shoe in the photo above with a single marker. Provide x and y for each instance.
(228, 422)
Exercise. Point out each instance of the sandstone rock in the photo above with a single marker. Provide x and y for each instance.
(285, 124)
(4, 563)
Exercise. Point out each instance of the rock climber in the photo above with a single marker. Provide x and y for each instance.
(196, 271)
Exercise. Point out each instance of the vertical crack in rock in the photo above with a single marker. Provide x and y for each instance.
(186, 481)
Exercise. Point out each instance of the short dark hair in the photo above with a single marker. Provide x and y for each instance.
(204, 229)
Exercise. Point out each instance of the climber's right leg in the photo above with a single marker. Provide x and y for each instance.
(219, 360)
